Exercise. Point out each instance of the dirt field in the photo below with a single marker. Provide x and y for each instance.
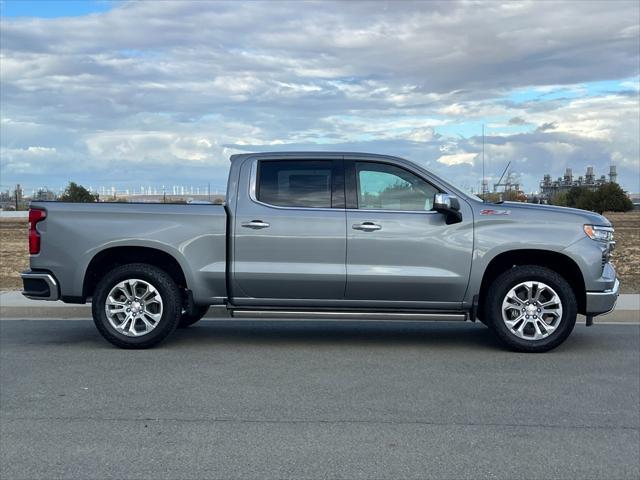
(14, 251)
(626, 257)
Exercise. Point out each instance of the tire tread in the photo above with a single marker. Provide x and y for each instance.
(171, 300)
(493, 307)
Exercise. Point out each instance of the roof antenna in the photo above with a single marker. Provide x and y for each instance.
(484, 190)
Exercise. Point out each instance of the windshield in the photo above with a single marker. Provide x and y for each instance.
(470, 195)
(473, 196)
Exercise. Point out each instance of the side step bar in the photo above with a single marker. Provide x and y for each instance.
(349, 315)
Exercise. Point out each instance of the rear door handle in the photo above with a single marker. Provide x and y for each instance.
(366, 226)
(255, 224)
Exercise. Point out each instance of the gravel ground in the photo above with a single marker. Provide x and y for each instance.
(627, 255)
(14, 252)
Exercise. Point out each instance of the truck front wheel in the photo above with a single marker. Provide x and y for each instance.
(530, 308)
(136, 306)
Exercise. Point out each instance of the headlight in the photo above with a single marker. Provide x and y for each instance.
(602, 234)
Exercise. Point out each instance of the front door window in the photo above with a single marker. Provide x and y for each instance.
(387, 187)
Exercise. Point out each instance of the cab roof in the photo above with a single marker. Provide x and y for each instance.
(306, 155)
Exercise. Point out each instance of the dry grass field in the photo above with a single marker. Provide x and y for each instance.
(626, 256)
(14, 252)
(14, 257)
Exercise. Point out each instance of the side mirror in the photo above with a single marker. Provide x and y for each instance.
(449, 206)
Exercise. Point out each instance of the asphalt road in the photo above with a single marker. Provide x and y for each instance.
(238, 399)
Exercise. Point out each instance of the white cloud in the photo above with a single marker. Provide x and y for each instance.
(631, 85)
(457, 159)
(421, 134)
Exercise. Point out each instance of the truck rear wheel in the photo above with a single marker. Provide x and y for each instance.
(530, 308)
(136, 306)
(186, 319)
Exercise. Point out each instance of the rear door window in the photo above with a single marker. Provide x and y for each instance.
(295, 183)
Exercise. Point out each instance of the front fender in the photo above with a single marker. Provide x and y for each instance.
(494, 236)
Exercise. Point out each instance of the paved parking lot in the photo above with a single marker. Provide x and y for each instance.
(243, 399)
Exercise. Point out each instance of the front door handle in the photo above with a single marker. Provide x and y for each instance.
(255, 224)
(366, 226)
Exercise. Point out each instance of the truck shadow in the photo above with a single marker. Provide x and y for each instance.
(209, 333)
(274, 332)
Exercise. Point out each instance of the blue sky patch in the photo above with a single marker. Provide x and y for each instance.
(569, 92)
(53, 8)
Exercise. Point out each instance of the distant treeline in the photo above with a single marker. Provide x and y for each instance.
(607, 198)
(76, 193)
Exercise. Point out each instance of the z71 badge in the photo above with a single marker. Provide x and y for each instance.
(489, 211)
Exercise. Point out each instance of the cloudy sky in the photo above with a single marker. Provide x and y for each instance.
(161, 93)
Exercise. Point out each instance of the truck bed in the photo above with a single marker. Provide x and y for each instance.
(74, 234)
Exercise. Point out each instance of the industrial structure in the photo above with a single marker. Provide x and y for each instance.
(549, 188)
(510, 184)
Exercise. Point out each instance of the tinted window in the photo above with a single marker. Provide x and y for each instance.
(294, 183)
(386, 187)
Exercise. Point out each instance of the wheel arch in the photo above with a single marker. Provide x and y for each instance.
(560, 263)
(112, 257)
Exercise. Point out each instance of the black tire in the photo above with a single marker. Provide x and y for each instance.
(498, 290)
(166, 288)
(187, 320)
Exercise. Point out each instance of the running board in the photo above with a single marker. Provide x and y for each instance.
(328, 315)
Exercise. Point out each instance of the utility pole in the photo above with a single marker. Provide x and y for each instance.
(209, 191)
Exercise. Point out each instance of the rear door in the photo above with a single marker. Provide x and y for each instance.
(290, 232)
(398, 248)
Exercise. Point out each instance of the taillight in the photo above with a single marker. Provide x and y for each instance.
(35, 216)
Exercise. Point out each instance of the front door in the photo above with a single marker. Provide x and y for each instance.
(398, 248)
(290, 233)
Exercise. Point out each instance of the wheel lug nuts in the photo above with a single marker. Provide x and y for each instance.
(128, 309)
(539, 310)
(526, 316)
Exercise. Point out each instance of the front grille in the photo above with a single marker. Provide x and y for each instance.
(607, 253)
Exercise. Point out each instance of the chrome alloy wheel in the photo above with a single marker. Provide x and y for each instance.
(532, 310)
(134, 307)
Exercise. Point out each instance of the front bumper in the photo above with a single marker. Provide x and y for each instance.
(40, 285)
(599, 303)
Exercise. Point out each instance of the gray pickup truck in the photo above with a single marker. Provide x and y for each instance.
(326, 235)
